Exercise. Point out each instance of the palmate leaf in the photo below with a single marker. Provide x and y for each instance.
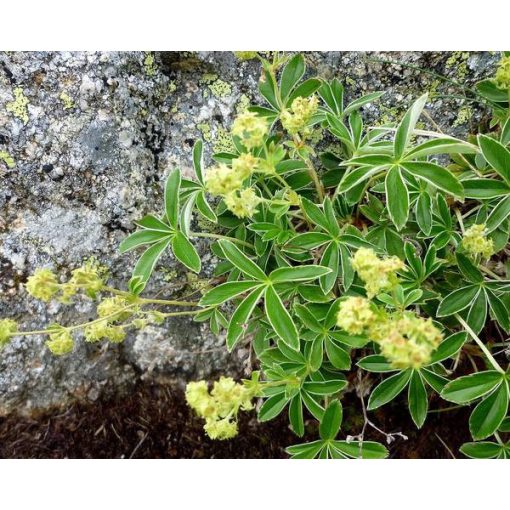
(436, 175)
(489, 413)
(292, 73)
(497, 155)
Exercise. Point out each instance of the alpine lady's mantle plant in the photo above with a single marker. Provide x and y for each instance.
(375, 256)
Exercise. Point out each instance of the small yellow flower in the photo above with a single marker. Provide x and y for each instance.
(243, 204)
(220, 406)
(297, 118)
(245, 165)
(475, 241)
(378, 274)
(250, 128)
(42, 284)
(502, 78)
(99, 330)
(222, 180)
(60, 341)
(355, 315)
(8, 328)
(113, 308)
(88, 277)
(409, 341)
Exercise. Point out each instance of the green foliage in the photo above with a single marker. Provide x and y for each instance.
(385, 257)
(293, 263)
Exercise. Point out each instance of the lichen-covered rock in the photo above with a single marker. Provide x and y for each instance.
(86, 140)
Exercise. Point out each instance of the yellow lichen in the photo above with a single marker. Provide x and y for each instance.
(7, 159)
(18, 107)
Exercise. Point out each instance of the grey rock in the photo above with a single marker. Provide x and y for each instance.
(103, 131)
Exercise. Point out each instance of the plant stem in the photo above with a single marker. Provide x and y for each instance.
(482, 346)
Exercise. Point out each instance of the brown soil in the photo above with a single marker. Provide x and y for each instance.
(154, 422)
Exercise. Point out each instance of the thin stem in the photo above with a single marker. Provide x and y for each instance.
(168, 302)
(480, 344)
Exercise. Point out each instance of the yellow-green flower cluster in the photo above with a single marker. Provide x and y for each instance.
(99, 330)
(60, 341)
(42, 284)
(251, 129)
(296, 119)
(114, 309)
(405, 339)
(243, 204)
(222, 180)
(227, 182)
(378, 274)
(475, 241)
(502, 78)
(355, 315)
(8, 328)
(220, 406)
(408, 341)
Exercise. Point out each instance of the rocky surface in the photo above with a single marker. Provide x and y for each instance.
(87, 140)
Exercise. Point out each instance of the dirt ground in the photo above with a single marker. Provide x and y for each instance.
(154, 422)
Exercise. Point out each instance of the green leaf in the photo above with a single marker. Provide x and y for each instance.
(498, 215)
(185, 252)
(375, 363)
(397, 197)
(457, 300)
(407, 125)
(226, 291)
(330, 423)
(147, 261)
(204, 208)
(240, 260)
(357, 176)
(483, 189)
(468, 269)
(291, 74)
(268, 91)
(330, 259)
(240, 317)
(197, 160)
(324, 387)
(449, 347)
(152, 223)
(481, 450)
(498, 309)
(489, 90)
(441, 146)
(298, 273)
(140, 238)
(470, 387)
(296, 416)
(436, 175)
(418, 400)
(305, 89)
(489, 413)
(338, 356)
(435, 381)
(305, 450)
(497, 155)
(272, 407)
(361, 101)
(309, 240)
(361, 450)
(280, 319)
(424, 213)
(315, 214)
(172, 188)
(388, 389)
